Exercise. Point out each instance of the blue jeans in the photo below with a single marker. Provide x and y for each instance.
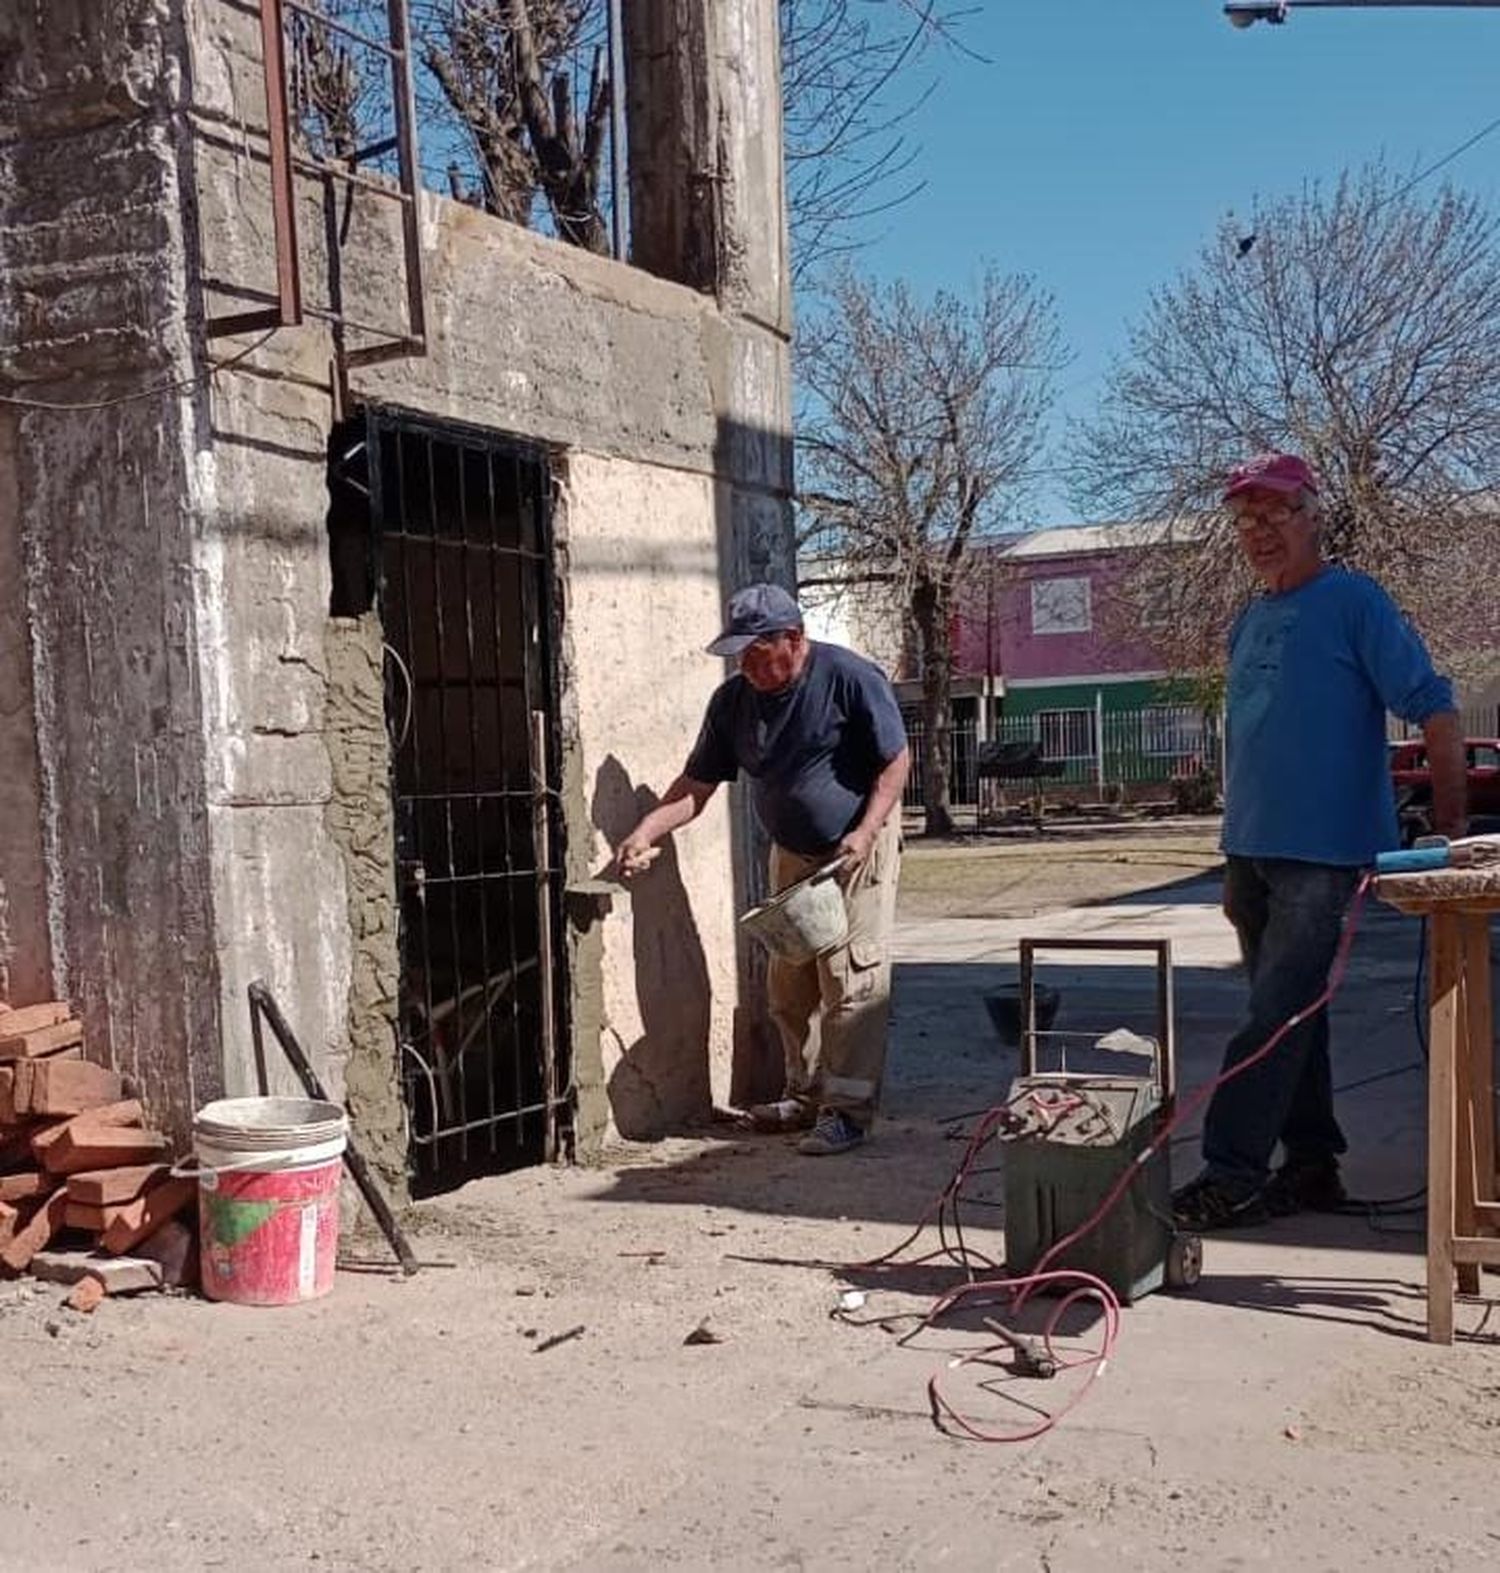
(1289, 917)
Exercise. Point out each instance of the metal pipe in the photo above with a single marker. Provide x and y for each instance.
(1245, 13)
(263, 1003)
(618, 179)
(541, 837)
(313, 14)
(406, 135)
(278, 137)
(373, 184)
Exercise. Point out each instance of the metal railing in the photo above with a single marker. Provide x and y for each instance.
(1474, 721)
(1105, 754)
(1088, 751)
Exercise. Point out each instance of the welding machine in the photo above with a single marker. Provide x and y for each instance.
(1070, 1136)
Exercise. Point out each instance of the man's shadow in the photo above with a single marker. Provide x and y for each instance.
(662, 1079)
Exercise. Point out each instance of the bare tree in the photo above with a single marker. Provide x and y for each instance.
(330, 85)
(514, 102)
(1358, 325)
(503, 70)
(921, 419)
(853, 74)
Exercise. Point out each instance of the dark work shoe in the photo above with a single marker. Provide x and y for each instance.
(834, 1133)
(1205, 1204)
(1309, 1185)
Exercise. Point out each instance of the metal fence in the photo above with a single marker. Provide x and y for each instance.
(1476, 721)
(1094, 754)
(1106, 754)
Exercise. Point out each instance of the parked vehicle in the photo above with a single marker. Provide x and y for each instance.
(1413, 781)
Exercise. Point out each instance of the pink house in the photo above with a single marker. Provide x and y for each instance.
(1046, 650)
(1046, 610)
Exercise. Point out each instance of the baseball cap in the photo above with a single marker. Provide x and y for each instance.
(1271, 472)
(754, 612)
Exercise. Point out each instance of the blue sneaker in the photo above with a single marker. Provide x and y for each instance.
(835, 1132)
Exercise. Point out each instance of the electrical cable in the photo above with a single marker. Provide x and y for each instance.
(1017, 1290)
(173, 386)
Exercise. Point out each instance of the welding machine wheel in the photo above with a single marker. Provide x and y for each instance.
(1184, 1261)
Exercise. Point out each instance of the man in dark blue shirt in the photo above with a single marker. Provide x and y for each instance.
(818, 730)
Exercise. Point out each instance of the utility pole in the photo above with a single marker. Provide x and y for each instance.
(989, 645)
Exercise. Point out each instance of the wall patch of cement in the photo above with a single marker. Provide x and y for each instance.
(359, 819)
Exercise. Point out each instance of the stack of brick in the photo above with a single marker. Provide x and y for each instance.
(81, 1170)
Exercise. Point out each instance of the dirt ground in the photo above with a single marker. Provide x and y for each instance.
(534, 1403)
(1017, 875)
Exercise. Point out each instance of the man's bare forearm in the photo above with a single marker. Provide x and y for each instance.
(1445, 759)
(681, 803)
(886, 793)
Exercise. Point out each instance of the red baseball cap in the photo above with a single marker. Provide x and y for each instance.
(1271, 472)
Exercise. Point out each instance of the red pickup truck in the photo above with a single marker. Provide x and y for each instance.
(1413, 782)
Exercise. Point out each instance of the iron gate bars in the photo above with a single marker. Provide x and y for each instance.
(463, 533)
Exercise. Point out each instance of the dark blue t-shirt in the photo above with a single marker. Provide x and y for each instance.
(813, 750)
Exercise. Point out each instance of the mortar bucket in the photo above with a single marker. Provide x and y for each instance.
(268, 1173)
(803, 921)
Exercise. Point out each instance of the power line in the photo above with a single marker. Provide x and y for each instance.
(1446, 159)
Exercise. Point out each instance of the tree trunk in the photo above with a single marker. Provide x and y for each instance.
(930, 609)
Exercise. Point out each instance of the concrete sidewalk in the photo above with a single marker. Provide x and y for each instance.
(1289, 1409)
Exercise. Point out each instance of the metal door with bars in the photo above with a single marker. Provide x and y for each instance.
(462, 536)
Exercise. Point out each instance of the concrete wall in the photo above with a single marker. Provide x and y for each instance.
(643, 570)
(104, 852)
(200, 792)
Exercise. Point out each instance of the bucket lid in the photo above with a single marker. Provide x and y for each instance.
(269, 1124)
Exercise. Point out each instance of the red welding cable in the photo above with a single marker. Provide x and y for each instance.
(1022, 1287)
(1094, 1361)
(1191, 1104)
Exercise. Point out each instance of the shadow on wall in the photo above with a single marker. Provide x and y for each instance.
(662, 1079)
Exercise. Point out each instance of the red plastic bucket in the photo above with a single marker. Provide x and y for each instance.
(268, 1197)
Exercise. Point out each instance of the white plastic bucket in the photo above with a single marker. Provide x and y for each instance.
(268, 1182)
(805, 920)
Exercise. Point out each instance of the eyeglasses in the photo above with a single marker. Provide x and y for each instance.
(1247, 516)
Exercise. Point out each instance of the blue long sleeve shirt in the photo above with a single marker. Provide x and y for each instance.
(1312, 673)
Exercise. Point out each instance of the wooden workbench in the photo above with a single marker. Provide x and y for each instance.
(1463, 1207)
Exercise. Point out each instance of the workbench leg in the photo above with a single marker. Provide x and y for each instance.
(1443, 1046)
(1465, 1166)
(1479, 1008)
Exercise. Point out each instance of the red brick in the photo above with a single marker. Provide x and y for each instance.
(25, 1187)
(83, 1146)
(67, 1087)
(9, 1217)
(33, 1045)
(32, 1236)
(89, 1218)
(7, 1095)
(87, 1296)
(127, 1112)
(31, 1018)
(141, 1219)
(103, 1187)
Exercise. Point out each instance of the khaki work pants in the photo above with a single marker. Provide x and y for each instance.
(832, 1012)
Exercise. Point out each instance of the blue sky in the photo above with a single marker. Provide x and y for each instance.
(1102, 142)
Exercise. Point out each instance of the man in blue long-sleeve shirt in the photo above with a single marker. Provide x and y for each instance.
(1314, 665)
